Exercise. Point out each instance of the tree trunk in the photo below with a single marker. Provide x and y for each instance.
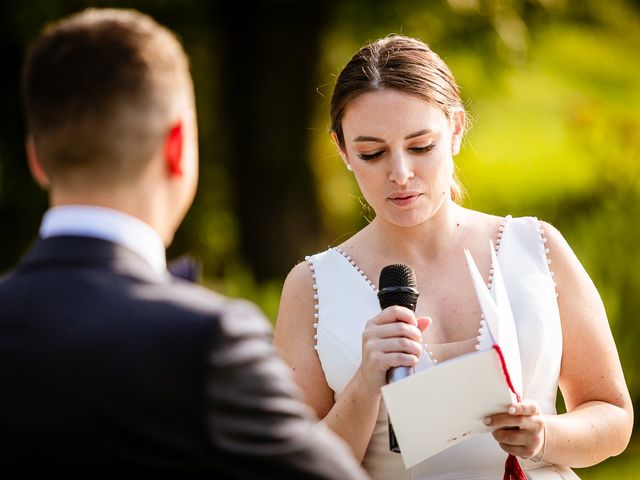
(268, 79)
(21, 201)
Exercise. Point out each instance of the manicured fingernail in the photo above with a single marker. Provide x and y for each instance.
(512, 410)
(487, 420)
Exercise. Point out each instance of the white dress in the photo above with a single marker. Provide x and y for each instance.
(346, 299)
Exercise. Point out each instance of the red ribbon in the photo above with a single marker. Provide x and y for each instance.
(512, 468)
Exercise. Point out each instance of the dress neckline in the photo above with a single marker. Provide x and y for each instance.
(498, 241)
(482, 324)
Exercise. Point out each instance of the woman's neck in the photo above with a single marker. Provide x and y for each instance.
(431, 239)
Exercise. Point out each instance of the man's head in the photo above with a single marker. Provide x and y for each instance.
(108, 95)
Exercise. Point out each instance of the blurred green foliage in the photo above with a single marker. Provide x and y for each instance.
(552, 89)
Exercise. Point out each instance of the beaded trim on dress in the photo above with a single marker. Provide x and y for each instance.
(316, 315)
(503, 225)
(545, 250)
(358, 269)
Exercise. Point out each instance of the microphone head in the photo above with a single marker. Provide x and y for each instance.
(397, 286)
(397, 275)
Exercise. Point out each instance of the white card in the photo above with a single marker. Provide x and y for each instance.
(446, 404)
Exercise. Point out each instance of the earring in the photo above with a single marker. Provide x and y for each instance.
(349, 167)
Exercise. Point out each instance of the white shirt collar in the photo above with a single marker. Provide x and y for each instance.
(106, 224)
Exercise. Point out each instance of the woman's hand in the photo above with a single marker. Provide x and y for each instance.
(393, 338)
(521, 431)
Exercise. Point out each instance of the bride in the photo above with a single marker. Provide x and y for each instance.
(397, 120)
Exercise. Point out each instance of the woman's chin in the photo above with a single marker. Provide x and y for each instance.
(407, 219)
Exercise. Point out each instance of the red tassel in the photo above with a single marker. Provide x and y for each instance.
(513, 470)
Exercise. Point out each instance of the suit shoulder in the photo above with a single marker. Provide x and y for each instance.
(233, 315)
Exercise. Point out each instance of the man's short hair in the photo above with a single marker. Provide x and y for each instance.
(101, 90)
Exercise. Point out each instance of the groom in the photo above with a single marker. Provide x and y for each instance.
(106, 362)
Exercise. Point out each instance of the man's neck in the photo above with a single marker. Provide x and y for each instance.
(106, 224)
(139, 206)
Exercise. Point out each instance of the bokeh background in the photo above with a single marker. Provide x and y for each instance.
(552, 88)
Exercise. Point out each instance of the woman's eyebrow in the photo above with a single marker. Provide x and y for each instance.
(364, 138)
(418, 133)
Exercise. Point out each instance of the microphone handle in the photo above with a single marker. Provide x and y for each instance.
(393, 441)
(398, 373)
(393, 375)
(397, 287)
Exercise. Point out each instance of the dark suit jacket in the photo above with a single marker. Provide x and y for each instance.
(106, 365)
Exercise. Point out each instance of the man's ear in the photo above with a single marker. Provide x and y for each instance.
(458, 131)
(35, 167)
(343, 154)
(173, 149)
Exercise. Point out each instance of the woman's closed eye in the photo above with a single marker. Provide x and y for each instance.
(425, 149)
(416, 150)
(370, 156)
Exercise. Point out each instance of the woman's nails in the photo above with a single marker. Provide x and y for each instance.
(487, 420)
(512, 410)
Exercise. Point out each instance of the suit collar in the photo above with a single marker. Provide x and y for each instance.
(89, 253)
(107, 224)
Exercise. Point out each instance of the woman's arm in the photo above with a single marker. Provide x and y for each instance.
(599, 416)
(390, 339)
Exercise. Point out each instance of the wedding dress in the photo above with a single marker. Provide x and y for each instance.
(346, 299)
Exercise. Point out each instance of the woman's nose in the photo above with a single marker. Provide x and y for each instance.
(400, 169)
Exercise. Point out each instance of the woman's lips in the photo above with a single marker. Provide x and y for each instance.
(405, 198)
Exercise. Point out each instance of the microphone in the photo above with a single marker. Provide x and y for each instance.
(397, 286)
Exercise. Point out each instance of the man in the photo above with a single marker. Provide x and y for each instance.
(106, 362)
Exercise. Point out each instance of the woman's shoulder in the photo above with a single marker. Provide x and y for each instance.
(549, 234)
(481, 225)
(551, 242)
(528, 228)
(557, 249)
(532, 222)
(296, 302)
(481, 220)
(302, 273)
(299, 277)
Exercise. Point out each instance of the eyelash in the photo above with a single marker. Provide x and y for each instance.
(417, 150)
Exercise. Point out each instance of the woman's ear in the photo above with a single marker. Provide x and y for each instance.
(343, 154)
(35, 167)
(458, 122)
(173, 149)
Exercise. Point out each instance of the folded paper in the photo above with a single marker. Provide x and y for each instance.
(447, 403)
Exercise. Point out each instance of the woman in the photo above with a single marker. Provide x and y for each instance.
(398, 120)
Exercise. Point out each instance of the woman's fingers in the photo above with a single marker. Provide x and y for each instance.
(403, 345)
(393, 338)
(397, 329)
(395, 313)
(521, 430)
(393, 345)
(522, 452)
(526, 407)
(515, 415)
(524, 443)
(383, 361)
(423, 323)
(400, 321)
